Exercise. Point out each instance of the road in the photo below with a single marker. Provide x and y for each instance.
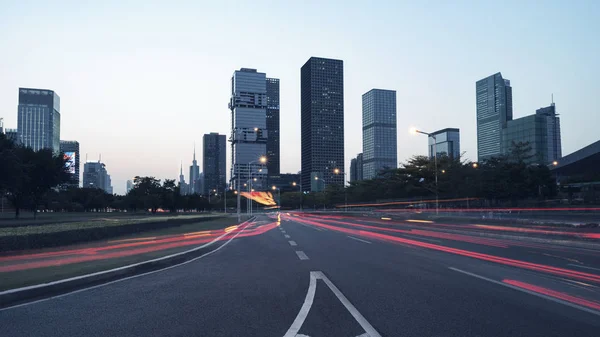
(325, 275)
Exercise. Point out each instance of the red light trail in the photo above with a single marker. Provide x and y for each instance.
(554, 293)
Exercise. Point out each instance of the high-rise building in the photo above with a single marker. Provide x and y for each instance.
(553, 139)
(39, 119)
(194, 176)
(70, 149)
(249, 134)
(2, 125)
(379, 131)
(183, 187)
(129, 186)
(542, 133)
(96, 176)
(322, 115)
(214, 162)
(447, 142)
(494, 110)
(273, 161)
(356, 168)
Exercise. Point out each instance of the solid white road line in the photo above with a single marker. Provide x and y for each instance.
(308, 301)
(586, 267)
(550, 298)
(301, 255)
(293, 243)
(357, 239)
(287, 236)
(134, 276)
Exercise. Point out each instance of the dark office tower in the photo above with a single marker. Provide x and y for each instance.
(39, 119)
(213, 162)
(379, 131)
(96, 176)
(494, 110)
(70, 149)
(273, 126)
(322, 115)
(551, 121)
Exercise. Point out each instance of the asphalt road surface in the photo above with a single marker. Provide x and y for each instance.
(319, 275)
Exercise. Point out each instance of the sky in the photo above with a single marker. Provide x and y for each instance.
(141, 81)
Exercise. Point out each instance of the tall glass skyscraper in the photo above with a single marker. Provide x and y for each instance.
(213, 162)
(273, 164)
(494, 110)
(322, 115)
(249, 134)
(379, 132)
(38, 122)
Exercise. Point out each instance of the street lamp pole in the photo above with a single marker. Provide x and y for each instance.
(337, 171)
(435, 164)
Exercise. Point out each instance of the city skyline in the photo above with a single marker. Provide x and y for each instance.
(117, 83)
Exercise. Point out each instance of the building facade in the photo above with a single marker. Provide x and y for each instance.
(273, 144)
(541, 131)
(447, 142)
(38, 120)
(494, 110)
(379, 132)
(322, 122)
(286, 182)
(249, 134)
(214, 162)
(70, 149)
(96, 176)
(12, 134)
(129, 186)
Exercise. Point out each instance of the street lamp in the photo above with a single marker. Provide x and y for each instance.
(278, 195)
(261, 160)
(415, 131)
(301, 193)
(475, 165)
(337, 171)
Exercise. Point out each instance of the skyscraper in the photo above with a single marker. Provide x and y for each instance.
(96, 176)
(213, 162)
(322, 115)
(273, 162)
(447, 141)
(70, 148)
(494, 110)
(356, 168)
(183, 188)
(379, 131)
(553, 138)
(194, 176)
(39, 119)
(540, 131)
(249, 134)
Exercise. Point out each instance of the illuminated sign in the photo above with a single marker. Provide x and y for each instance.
(70, 162)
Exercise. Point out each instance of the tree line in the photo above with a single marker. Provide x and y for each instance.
(507, 180)
(39, 181)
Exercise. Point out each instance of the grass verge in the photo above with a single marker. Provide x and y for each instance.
(23, 278)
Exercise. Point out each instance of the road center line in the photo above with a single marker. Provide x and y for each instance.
(301, 255)
(550, 298)
(293, 243)
(586, 267)
(313, 227)
(287, 236)
(357, 239)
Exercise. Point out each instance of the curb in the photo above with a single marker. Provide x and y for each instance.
(12, 297)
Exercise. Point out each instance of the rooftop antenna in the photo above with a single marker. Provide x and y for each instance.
(100, 158)
(552, 95)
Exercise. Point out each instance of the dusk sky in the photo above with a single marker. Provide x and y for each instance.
(141, 81)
